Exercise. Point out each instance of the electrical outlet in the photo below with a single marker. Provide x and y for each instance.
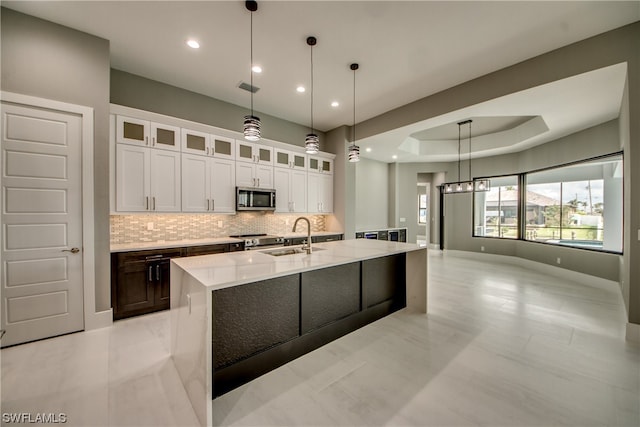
(558, 260)
(482, 248)
(286, 221)
(219, 224)
(403, 219)
(149, 226)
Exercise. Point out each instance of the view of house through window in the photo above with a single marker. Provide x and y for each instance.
(566, 205)
(496, 210)
(579, 205)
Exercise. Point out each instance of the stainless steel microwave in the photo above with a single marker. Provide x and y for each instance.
(255, 199)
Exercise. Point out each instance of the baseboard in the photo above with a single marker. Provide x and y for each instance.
(633, 332)
(552, 270)
(100, 319)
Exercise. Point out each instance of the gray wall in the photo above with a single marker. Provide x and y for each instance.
(613, 47)
(139, 92)
(50, 61)
(372, 181)
(592, 142)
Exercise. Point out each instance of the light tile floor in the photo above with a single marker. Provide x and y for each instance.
(501, 346)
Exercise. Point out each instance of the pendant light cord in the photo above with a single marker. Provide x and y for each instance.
(251, 64)
(459, 126)
(353, 141)
(469, 150)
(312, 89)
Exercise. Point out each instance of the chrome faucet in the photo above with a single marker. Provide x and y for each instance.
(308, 245)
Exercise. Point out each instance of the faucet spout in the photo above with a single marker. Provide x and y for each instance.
(306, 247)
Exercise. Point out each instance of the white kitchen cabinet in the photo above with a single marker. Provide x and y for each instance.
(291, 190)
(208, 184)
(147, 180)
(289, 159)
(194, 142)
(254, 175)
(250, 152)
(319, 193)
(319, 164)
(139, 132)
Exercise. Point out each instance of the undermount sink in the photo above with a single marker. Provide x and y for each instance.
(289, 251)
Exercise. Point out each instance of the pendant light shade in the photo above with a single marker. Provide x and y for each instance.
(311, 142)
(251, 125)
(354, 150)
(472, 185)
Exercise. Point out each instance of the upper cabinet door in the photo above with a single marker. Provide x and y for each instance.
(254, 153)
(320, 165)
(133, 184)
(165, 137)
(223, 148)
(223, 186)
(132, 131)
(165, 181)
(289, 159)
(195, 142)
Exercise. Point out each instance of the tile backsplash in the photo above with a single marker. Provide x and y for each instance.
(158, 227)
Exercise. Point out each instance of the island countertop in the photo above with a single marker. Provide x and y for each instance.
(236, 268)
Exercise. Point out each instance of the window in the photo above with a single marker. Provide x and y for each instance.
(566, 205)
(578, 205)
(422, 208)
(496, 210)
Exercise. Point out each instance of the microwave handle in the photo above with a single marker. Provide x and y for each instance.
(273, 199)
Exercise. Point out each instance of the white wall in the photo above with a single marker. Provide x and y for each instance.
(372, 195)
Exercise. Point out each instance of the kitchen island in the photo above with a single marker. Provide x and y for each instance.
(236, 316)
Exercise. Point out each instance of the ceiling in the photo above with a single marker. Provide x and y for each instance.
(406, 50)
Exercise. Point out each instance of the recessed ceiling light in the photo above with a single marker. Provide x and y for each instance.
(256, 69)
(394, 157)
(335, 104)
(368, 149)
(193, 44)
(300, 89)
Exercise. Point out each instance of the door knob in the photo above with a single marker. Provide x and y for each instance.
(72, 250)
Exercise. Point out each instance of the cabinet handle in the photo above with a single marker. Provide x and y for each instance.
(151, 273)
(146, 202)
(158, 272)
(207, 204)
(146, 140)
(213, 204)
(153, 141)
(258, 182)
(153, 199)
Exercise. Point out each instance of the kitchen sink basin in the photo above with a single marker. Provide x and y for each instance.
(288, 251)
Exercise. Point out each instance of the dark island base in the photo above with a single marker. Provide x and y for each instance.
(323, 305)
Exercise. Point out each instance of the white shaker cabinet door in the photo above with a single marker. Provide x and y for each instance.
(264, 176)
(165, 181)
(195, 183)
(132, 178)
(223, 185)
(244, 175)
(326, 200)
(281, 183)
(298, 191)
(313, 192)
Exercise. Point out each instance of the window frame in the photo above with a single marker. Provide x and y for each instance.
(522, 182)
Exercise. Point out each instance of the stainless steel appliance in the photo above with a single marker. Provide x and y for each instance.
(260, 241)
(255, 199)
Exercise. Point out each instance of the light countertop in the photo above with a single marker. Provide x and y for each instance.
(140, 246)
(235, 268)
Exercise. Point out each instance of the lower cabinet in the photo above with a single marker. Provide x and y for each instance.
(140, 280)
(260, 326)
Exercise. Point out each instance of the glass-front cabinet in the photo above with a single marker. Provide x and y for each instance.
(320, 165)
(254, 153)
(289, 159)
(134, 131)
(204, 144)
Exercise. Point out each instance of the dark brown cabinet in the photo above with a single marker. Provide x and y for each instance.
(140, 280)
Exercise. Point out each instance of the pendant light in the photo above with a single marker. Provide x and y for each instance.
(470, 185)
(311, 142)
(251, 126)
(354, 150)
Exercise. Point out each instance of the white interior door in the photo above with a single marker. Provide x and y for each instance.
(42, 280)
